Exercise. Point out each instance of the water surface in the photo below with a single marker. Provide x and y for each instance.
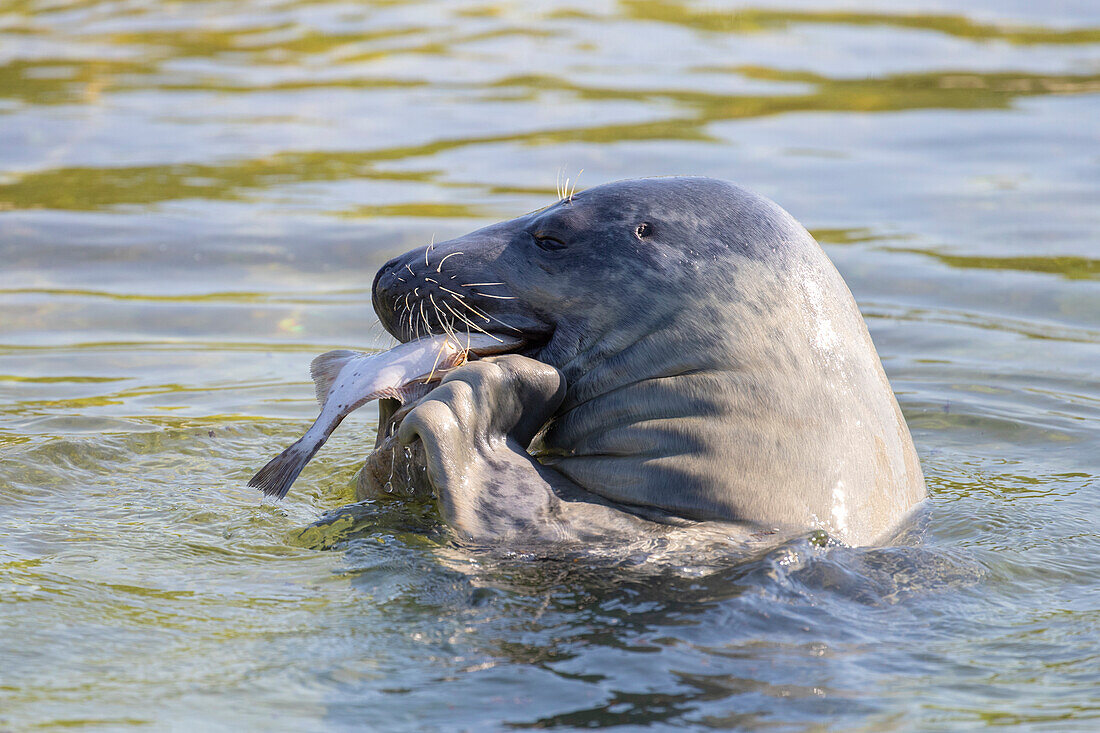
(194, 198)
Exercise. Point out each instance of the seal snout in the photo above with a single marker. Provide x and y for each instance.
(430, 291)
(381, 297)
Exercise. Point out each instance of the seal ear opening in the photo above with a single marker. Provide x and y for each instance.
(325, 368)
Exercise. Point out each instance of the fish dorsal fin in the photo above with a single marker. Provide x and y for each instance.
(326, 367)
(412, 391)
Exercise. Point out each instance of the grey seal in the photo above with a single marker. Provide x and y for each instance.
(690, 358)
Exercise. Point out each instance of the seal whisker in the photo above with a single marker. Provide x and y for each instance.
(406, 314)
(421, 324)
(479, 285)
(448, 328)
(458, 315)
(439, 267)
(503, 323)
(438, 356)
(498, 297)
(469, 336)
(439, 316)
(473, 310)
(427, 323)
(410, 269)
(372, 327)
(452, 292)
(564, 190)
(470, 323)
(428, 250)
(455, 330)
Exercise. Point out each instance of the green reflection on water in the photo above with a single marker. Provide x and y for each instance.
(59, 380)
(455, 211)
(279, 44)
(63, 81)
(849, 236)
(88, 188)
(1071, 268)
(897, 92)
(750, 20)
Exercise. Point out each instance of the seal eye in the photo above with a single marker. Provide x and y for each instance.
(548, 241)
(643, 230)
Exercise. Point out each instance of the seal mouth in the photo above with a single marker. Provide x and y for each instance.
(528, 343)
(501, 344)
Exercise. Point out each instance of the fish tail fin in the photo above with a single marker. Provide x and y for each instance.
(325, 368)
(275, 478)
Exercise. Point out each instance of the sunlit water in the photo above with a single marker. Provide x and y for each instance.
(194, 197)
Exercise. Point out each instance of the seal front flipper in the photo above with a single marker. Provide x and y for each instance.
(474, 430)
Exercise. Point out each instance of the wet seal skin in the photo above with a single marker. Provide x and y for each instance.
(691, 359)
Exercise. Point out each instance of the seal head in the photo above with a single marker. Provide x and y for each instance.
(715, 364)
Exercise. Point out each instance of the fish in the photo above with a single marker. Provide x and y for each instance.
(346, 380)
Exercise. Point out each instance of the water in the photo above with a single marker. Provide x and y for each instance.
(194, 197)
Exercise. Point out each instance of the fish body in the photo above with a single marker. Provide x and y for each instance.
(347, 380)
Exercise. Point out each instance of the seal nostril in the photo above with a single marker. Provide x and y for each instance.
(643, 230)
